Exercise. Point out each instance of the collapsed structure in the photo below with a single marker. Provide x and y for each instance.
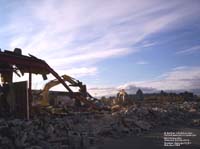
(14, 62)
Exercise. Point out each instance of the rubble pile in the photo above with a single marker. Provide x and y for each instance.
(85, 130)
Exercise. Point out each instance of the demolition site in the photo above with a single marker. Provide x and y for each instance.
(37, 119)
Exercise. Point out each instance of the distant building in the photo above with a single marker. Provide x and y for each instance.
(139, 95)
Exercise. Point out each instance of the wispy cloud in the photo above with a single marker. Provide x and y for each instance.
(88, 56)
(147, 44)
(80, 72)
(45, 27)
(72, 36)
(190, 50)
(142, 62)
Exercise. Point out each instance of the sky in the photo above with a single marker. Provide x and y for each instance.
(109, 44)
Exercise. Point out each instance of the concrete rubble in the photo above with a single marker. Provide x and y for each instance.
(88, 129)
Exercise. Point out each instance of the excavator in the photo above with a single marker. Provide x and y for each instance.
(72, 82)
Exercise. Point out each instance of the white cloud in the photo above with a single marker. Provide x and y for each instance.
(38, 82)
(80, 72)
(103, 91)
(70, 34)
(180, 68)
(142, 62)
(80, 29)
(190, 50)
(180, 78)
(147, 44)
(89, 56)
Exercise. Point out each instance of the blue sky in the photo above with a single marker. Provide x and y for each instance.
(109, 44)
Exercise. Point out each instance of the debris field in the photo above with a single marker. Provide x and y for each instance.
(77, 130)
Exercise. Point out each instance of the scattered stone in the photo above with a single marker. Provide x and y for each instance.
(196, 122)
(85, 130)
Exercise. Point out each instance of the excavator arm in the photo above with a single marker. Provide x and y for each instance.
(72, 82)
